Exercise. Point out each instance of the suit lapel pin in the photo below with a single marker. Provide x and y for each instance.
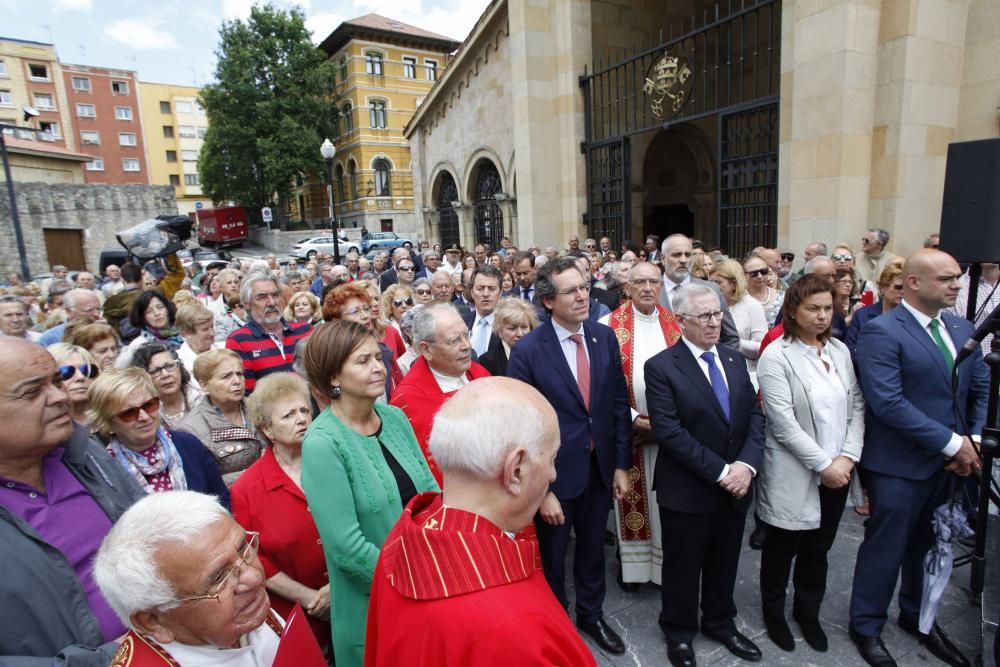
(593, 340)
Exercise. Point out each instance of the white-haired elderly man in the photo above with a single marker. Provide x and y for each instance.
(486, 603)
(185, 577)
(82, 306)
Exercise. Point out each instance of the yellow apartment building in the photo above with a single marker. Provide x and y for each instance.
(174, 127)
(385, 68)
(30, 76)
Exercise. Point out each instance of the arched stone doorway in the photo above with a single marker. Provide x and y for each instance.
(446, 192)
(487, 216)
(679, 184)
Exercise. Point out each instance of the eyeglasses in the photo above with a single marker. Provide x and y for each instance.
(86, 370)
(455, 340)
(757, 273)
(864, 240)
(404, 268)
(842, 258)
(360, 309)
(423, 292)
(570, 291)
(247, 554)
(169, 367)
(705, 318)
(149, 407)
(788, 256)
(399, 302)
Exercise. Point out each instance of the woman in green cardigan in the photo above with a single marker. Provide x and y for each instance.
(360, 466)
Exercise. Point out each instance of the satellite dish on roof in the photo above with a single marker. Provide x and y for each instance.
(29, 113)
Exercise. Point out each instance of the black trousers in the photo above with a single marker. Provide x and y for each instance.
(586, 516)
(809, 549)
(700, 551)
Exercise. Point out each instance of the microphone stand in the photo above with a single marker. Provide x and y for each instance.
(989, 448)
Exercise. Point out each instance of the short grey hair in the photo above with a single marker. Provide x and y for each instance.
(540, 261)
(430, 253)
(125, 567)
(500, 426)
(71, 296)
(820, 248)
(425, 321)
(255, 277)
(406, 321)
(291, 276)
(881, 235)
(683, 296)
(810, 266)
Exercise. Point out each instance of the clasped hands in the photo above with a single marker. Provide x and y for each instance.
(966, 459)
(737, 481)
(838, 474)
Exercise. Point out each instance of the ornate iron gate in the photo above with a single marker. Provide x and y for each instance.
(447, 217)
(716, 64)
(487, 215)
(748, 179)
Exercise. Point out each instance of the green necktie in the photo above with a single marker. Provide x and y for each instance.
(936, 335)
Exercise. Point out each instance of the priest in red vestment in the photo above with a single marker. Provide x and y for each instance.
(445, 365)
(454, 586)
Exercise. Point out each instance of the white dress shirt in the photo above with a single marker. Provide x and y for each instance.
(257, 649)
(449, 383)
(827, 399)
(955, 442)
(569, 347)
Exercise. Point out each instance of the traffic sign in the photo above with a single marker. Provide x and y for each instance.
(266, 214)
(199, 205)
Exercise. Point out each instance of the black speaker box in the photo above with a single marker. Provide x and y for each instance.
(970, 215)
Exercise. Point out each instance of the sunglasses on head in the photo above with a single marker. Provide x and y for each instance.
(399, 302)
(149, 407)
(757, 273)
(86, 370)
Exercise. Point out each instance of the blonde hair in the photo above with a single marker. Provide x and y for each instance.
(109, 392)
(190, 316)
(268, 391)
(63, 351)
(732, 270)
(511, 309)
(206, 363)
(317, 308)
(184, 297)
(388, 295)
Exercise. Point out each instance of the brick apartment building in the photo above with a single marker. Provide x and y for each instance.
(104, 107)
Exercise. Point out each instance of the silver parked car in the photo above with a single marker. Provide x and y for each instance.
(311, 246)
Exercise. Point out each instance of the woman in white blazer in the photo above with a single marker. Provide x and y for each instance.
(815, 432)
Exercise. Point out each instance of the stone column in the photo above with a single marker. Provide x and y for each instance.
(550, 42)
(920, 53)
(466, 227)
(828, 92)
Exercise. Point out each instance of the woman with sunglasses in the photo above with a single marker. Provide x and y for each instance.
(220, 421)
(125, 409)
(172, 381)
(756, 271)
(77, 368)
(396, 300)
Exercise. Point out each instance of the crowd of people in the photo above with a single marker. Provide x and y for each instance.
(405, 450)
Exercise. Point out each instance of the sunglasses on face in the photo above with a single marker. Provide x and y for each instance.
(758, 273)
(423, 292)
(842, 258)
(406, 268)
(788, 257)
(86, 370)
(399, 302)
(130, 415)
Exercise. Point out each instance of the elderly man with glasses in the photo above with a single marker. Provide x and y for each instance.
(82, 307)
(874, 255)
(60, 493)
(186, 579)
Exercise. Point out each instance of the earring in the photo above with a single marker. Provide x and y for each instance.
(336, 392)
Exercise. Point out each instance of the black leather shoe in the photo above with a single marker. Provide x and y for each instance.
(758, 536)
(740, 646)
(813, 633)
(627, 586)
(936, 642)
(779, 632)
(872, 650)
(605, 637)
(680, 654)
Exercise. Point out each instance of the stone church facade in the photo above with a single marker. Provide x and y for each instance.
(741, 122)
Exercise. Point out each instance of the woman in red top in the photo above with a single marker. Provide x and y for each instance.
(268, 499)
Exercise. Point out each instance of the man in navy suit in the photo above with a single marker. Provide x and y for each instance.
(705, 417)
(914, 445)
(575, 364)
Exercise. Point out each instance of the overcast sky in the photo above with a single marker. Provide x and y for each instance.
(174, 41)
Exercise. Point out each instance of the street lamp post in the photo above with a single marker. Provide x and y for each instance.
(328, 150)
(15, 216)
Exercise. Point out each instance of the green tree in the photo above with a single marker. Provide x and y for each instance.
(273, 102)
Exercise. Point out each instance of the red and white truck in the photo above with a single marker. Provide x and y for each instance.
(222, 227)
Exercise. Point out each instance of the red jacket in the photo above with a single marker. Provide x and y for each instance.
(420, 397)
(451, 589)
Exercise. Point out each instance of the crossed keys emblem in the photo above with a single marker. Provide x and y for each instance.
(668, 85)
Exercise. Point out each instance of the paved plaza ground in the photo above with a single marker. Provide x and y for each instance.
(634, 616)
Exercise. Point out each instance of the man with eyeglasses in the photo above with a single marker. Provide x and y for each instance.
(201, 600)
(14, 318)
(874, 255)
(704, 415)
(676, 256)
(441, 338)
(576, 365)
(60, 493)
(267, 343)
(432, 262)
(82, 307)
(485, 288)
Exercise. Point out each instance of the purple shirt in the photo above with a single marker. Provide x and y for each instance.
(69, 519)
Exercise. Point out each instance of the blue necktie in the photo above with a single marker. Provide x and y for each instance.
(718, 382)
(524, 293)
(481, 339)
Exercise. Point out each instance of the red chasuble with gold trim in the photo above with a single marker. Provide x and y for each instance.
(634, 507)
(451, 588)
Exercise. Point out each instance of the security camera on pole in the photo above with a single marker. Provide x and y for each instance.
(328, 150)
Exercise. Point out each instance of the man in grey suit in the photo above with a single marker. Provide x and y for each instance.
(676, 254)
